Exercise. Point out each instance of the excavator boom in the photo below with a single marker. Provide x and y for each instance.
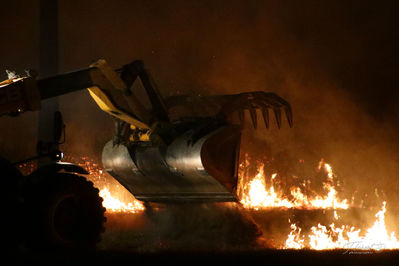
(182, 148)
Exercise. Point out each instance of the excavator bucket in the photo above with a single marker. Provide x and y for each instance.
(200, 157)
(195, 167)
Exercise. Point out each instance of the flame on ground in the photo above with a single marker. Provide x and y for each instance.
(347, 237)
(256, 194)
(115, 197)
(113, 204)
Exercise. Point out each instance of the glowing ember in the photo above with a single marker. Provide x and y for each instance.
(331, 237)
(255, 194)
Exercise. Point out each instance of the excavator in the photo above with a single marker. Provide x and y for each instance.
(165, 149)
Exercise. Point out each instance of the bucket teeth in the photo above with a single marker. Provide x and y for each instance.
(277, 114)
(256, 100)
(288, 113)
(254, 117)
(277, 103)
(265, 114)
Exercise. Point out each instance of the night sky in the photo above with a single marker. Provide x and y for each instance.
(336, 62)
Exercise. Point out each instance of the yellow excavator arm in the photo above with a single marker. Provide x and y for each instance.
(105, 85)
(105, 102)
(182, 148)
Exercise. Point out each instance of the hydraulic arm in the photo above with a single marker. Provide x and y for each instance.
(182, 148)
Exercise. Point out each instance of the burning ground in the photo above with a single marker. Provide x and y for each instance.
(335, 62)
(331, 61)
(310, 210)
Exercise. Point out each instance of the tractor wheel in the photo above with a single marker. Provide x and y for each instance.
(64, 211)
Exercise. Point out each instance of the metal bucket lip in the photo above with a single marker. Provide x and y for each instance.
(186, 197)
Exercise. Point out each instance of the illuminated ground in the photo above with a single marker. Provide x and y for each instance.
(130, 239)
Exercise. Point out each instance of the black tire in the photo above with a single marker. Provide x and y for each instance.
(10, 179)
(64, 211)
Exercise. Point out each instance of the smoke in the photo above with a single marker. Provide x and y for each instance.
(335, 62)
(220, 226)
(12, 74)
(332, 61)
(325, 60)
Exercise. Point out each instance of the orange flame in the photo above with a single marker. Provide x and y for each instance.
(322, 237)
(258, 196)
(115, 197)
(113, 204)
(255, 194)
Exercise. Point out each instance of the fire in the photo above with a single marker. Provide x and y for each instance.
(256, 194)
(294, 240)
(115, 197)
(259, 196)
(347, 237)
(115, 205)
(261, 192)
(331, 200)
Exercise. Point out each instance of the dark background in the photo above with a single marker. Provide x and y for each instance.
(334, 61)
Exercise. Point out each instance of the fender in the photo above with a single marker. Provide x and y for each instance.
(46, 172)
(57, 167)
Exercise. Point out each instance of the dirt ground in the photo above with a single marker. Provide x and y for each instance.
(204, 235)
